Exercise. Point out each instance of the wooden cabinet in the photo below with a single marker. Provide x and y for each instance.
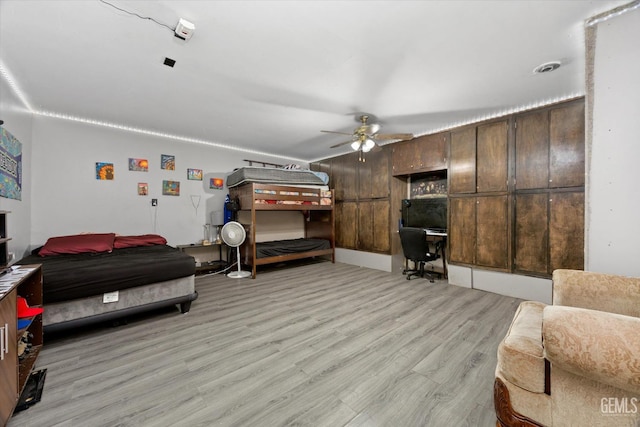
(479, 231)
(14, 372)
(549, 148)
(479, 159)
(423, 154)
(363, 192)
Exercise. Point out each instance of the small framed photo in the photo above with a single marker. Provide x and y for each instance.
(104, 171)
(216, 183)
(138, 165)
(168, 162)
(143, 189)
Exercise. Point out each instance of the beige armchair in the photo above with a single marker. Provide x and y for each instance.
(576, 362)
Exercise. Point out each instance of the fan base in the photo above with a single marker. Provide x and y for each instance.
(239, 274)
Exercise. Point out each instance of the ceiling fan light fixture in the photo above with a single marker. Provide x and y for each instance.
(355, 145)
(368, 145)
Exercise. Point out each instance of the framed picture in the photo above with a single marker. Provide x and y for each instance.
(170, 188)
(10, 166)
(194, 174)
(216, 183)
(138, 165)
(168, 162)
(104, 171)
(143, 189)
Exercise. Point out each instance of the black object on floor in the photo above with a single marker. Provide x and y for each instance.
(32, 391)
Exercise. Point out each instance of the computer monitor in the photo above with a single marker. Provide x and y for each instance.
(428, 213)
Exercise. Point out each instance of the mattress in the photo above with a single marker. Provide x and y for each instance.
(290, 246)
(275, 176)
(68, 277)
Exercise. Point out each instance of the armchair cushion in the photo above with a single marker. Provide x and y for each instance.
(601, 346)
(520, 355)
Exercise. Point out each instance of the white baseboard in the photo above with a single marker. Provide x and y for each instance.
(364, 259)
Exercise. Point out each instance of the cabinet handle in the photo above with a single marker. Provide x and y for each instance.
(4, 344)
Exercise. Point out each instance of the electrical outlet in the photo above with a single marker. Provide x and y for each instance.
(154, 202)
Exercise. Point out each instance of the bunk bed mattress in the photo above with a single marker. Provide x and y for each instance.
(74, 276)
(290, 246)
(274, 176)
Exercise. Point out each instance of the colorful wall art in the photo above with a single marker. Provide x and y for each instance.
(170, 188)
(143, 189)
(138, 165)
(216, 183)
(104, 171)
(194, 174)
(10, 166)
(168, 162)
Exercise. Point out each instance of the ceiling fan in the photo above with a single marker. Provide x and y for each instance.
(364, 137)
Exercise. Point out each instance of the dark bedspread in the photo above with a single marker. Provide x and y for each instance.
(291, 246)
(67, 277)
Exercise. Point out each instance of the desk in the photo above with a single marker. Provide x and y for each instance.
(440, 236)
(205, 256)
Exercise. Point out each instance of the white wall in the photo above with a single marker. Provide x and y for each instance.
(613, 189)
(68, 199)
(18, 121)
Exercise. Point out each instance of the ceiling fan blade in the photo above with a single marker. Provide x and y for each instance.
(341, 144)
(389, 136)
(339, 133)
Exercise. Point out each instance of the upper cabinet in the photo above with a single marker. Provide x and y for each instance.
(423, 154)
(549, 148)
(479, 159)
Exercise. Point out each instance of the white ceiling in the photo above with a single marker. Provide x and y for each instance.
(269, 75)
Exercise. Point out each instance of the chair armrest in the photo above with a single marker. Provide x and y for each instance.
(594, 344)
(597, 291)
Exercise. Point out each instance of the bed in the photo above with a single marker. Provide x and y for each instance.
(279, 190)
(82, 274)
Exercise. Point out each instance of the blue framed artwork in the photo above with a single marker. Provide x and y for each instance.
(10, 166)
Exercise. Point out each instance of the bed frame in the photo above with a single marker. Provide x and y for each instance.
(319, 219)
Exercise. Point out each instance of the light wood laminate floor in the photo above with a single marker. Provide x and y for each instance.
(313, 345)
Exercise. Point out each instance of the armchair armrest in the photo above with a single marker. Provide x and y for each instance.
(593, 344)
(597, 291)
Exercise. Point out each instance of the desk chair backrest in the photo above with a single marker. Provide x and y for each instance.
(415, 245)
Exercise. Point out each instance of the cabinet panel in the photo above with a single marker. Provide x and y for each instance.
(492, 233)
(346, 224)
(566, 230)
(462, 165)
(344, 174)
(373, 226)
(373, 175)
(566, 139)
(462, 229)
(532, 150)
(531, 219)
(492, 157)
(8, 370)
(431, 152)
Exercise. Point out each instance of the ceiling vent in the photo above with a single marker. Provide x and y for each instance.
(547, 67)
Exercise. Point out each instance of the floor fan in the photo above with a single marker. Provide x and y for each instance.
(233, 235)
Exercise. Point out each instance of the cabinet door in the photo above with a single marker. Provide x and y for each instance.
(492, 157)
(431, 152)
(532, 150)
(462, 230)
(344, 173)
(374, 226)
(346, 224)
(462, 167)
(492, 233)
(531, 233)
(403, 157)
(373, 175)
(566, 230)
(9, 362)
(566, 139)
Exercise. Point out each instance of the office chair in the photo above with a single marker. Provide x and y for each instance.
(416, 248)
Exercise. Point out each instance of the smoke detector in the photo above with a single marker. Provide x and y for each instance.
(547, 67)
(184, 30)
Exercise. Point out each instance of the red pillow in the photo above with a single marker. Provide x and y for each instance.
(78, 243)
(142, 240)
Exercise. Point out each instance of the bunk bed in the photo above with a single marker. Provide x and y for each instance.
(277, 190)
